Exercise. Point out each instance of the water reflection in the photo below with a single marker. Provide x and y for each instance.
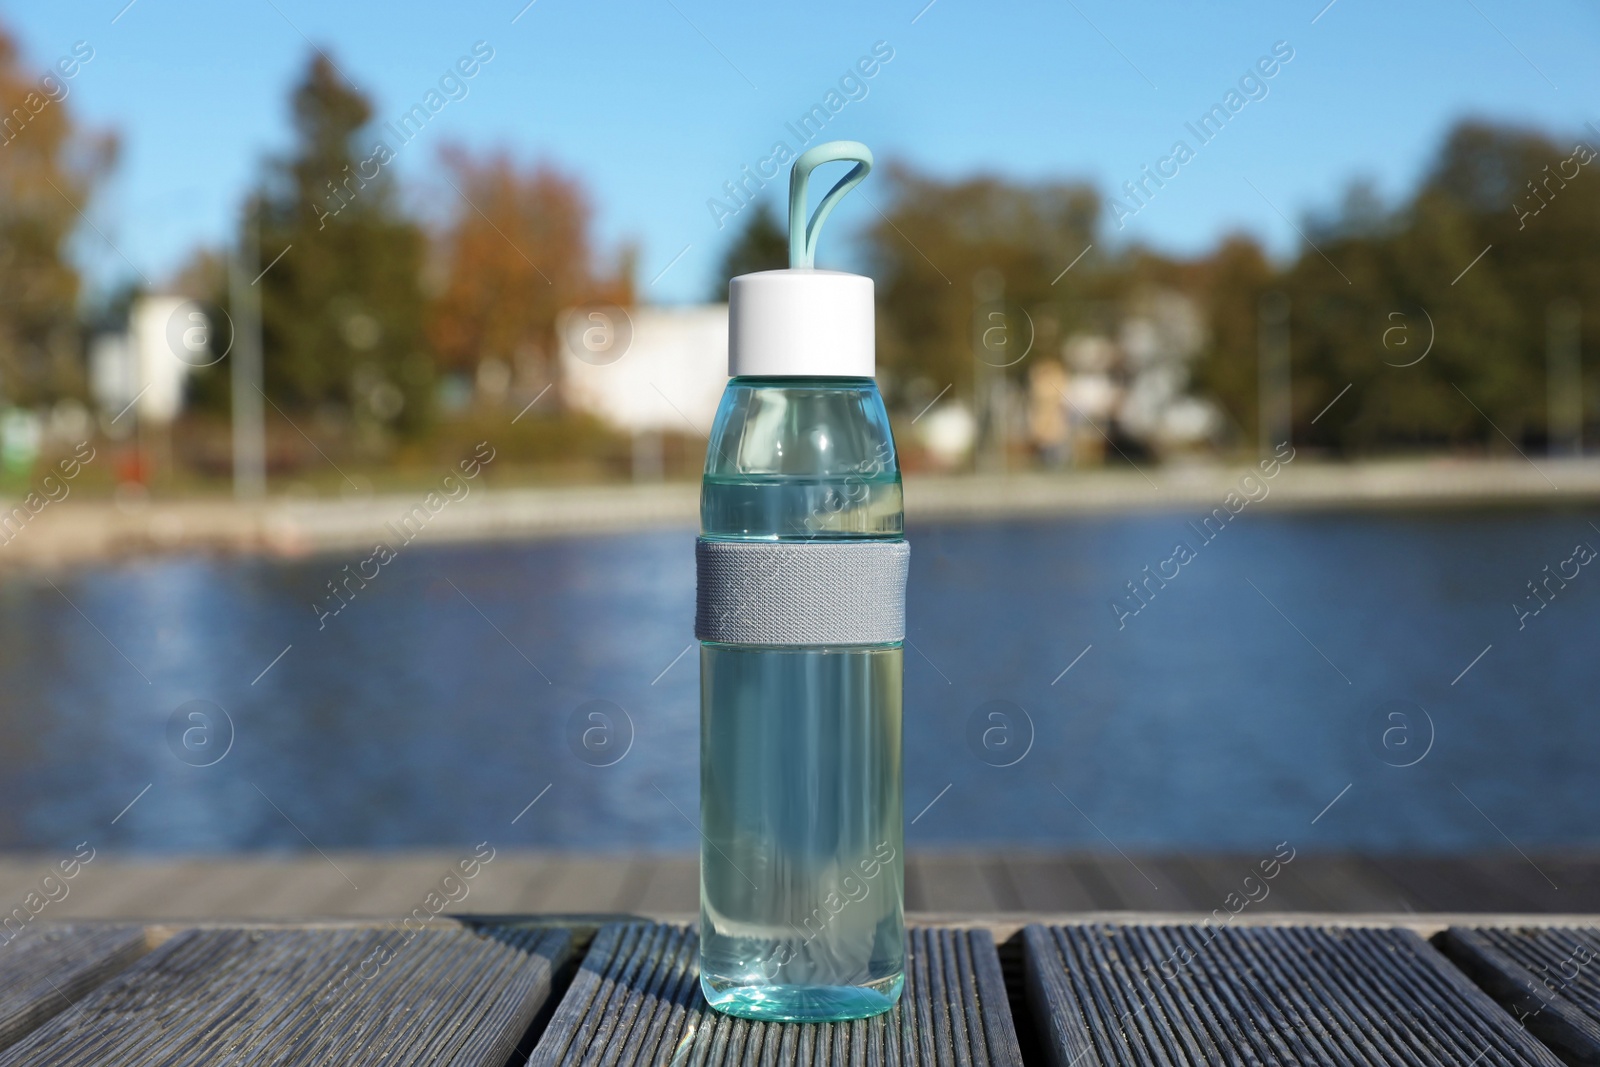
(439, 702)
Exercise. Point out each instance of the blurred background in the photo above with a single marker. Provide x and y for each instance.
(356, 365)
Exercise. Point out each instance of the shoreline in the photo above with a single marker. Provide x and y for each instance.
(77, 531)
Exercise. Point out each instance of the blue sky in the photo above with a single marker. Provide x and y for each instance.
(656, 103)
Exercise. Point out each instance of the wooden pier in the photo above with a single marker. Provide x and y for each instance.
(969, 883)
(1065, 991)
(1069, 960)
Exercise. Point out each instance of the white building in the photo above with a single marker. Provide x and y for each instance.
(646, 368)
(166, 338)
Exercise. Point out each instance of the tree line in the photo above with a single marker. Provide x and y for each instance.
(370, 312)
(1480, 267)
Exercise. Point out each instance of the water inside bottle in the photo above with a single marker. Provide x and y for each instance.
(802, 856)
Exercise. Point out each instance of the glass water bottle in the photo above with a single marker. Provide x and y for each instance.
(802, 913)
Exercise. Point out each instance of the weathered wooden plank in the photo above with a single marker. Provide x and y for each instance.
(386, 885)
(204, 889)
(295, 889)
(949, 882)
(1043, 882)
(587, 883)
(664, 884)
(674, 888)
(1334, 882)
(523, 879)
(1525, 886)
(1331, 996)
(1311, 882)
(332, 890)
(448, 995)
(1578, 876)
(1125, 883)
(498, 887)
(1495, 884)
(636, 1001)
(1225, 875)
(108, 888)
(1548, 977)
(20, 872)
(45, 969)
(1090, 873)
(394, 887)
(633, 884)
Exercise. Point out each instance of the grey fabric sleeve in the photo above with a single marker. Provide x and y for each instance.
(801, 592)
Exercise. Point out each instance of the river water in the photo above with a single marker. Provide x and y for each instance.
(1371, 661)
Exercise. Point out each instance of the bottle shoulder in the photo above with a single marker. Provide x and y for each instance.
(802, 459)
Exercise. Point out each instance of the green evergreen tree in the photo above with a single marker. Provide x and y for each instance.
(1504, 223)
(342, 310)
(763, 244)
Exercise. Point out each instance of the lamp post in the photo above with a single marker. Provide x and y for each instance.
(249, 427)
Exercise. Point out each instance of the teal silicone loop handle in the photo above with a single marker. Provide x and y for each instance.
(803, 234)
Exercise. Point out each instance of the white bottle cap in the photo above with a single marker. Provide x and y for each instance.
(801, 324)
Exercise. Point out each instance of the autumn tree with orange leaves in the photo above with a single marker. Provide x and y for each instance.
(517, 251)
(48, 170)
